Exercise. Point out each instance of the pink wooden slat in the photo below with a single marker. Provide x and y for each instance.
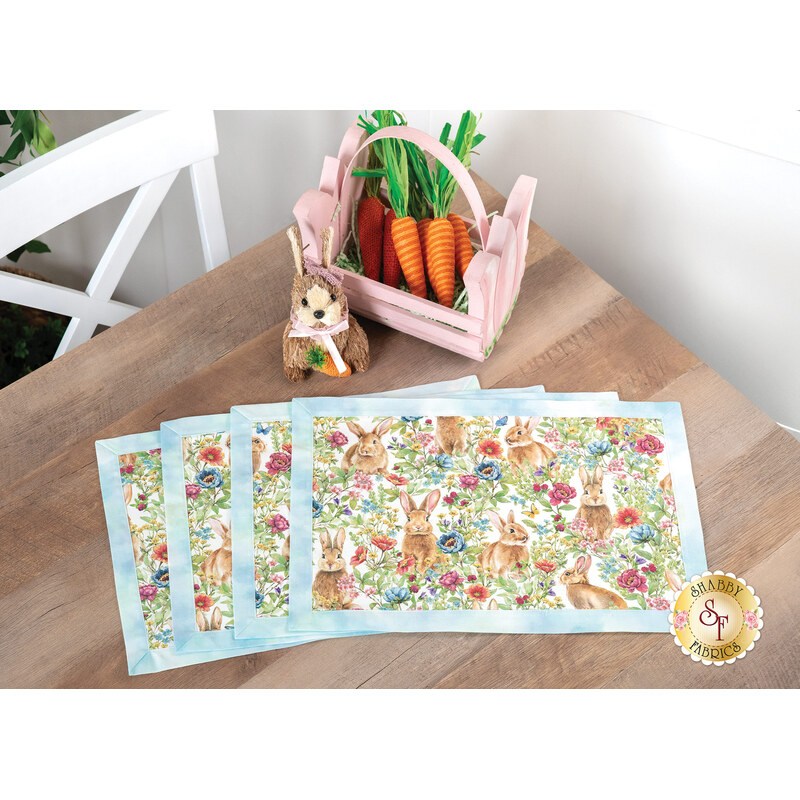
(398, 318)
(358, 284)
(313, 212)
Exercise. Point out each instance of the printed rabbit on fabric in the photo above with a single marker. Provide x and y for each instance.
(207, 472)
(272, 475)
(140, 474)
(427, 513)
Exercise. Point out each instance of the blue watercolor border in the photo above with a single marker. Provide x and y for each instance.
(141, 659)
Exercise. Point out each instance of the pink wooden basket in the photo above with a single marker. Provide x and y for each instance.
(494, 274)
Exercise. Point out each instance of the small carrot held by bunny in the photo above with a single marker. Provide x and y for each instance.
(368, 455)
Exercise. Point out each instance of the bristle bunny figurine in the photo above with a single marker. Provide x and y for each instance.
(320, 334)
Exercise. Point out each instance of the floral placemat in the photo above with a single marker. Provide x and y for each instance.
(491, 514)
(133, 499)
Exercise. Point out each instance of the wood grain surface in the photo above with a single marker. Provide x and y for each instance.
(217, 342)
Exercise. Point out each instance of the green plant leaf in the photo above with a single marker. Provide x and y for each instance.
(44, 141)
(14, 149)
(36, 246)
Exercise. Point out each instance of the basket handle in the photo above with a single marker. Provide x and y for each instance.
(439, 152)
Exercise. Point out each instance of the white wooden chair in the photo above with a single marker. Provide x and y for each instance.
(146, 149)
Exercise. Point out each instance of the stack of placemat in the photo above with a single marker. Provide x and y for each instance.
(441, 507)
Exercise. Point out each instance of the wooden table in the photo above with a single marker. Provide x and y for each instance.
(217, 342)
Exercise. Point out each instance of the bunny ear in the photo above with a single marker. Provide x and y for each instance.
(533, 423)
(407, 503)
(492, 605)
(511, 515)
(587, 562)
(323, 539)
(518, 422)
(127, 492)
(326, 238)
(216, 619)
(584, 475)
(432, 500)
(200, 618)
(340, 537)
(496, 520)
(356, 429)
(297, 247)
(383, 427)
(673, 580)
(598, 474)
(217, 526)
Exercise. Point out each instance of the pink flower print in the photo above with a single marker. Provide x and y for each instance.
(657, 603)
(336, 489)
(649, 445)
(370, 590)
(617, 466)
(272, 563)
(362, 480)
(347, 586)
(147, 591)
(468, 481)
(275, 578)
(337, 439)
(451, 580)
(279, 462)
(680, 620)
(670, 501)
(551, 436)
(751, 620)
(632, 580)
(278, 523)
(561, 493)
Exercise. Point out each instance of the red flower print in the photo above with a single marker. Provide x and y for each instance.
(632, 580)
(279, 462)
(478, 592)
(160, 552)
(337, 439)
(383, 542)
(627, 518)
(360, 557)
(126, 470)
(604, 422)
(192, 490)
(397, 480)
(211, 455)
(287, 447)
(203, 601)
(450, 498)
(544, 565)
(649, 445)
(489, 448)
(561, 493)
(451, 580)
(406, 565)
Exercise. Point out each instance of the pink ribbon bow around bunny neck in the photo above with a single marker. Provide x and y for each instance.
(324, 334)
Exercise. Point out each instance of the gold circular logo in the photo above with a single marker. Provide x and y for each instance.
(716, 618)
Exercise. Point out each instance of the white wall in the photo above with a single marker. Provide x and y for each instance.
(703, 235)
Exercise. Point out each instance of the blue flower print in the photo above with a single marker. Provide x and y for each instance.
(259, 599)
(488, 471)
(642, 533)
(451, 542)
(599, 448)
(397, 594)
(161, 577)
(316, 509)
(411, 419)
(445, 461)
(209, 478)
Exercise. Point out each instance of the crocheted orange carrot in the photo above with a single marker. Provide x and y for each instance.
(440, 259)
(463, 243)
(409, 253)
(391, 264)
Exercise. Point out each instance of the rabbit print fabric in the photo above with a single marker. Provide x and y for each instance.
(140, 474)
(473, 512)
(272, 476)
(207, 474)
